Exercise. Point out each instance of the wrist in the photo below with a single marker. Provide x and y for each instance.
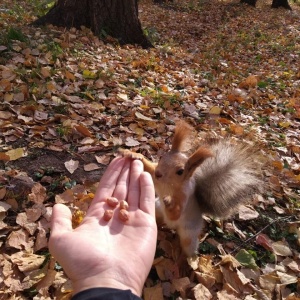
(101, 281)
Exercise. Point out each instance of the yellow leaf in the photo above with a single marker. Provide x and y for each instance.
(284, 124)
(89, 95)
(215, 110)
(89, 74)
(77, 218)
(15, 154)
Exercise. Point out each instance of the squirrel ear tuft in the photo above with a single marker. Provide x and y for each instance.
(196, 159)
(182, 132)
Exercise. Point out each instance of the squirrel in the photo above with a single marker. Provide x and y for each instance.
(196, 178)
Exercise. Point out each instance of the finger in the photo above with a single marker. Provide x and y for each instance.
(134, 184)
(147, 198)
(121, 188)
(61, 220)
(109, 180)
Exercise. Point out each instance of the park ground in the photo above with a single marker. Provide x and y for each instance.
(70, 100)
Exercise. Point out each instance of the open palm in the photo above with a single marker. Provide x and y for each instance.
(109, 254)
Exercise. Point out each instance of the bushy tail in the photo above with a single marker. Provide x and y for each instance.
(228, 179)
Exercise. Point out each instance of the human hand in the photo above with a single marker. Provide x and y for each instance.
(109, 254)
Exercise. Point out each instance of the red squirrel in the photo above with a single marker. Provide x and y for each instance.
(194, 178)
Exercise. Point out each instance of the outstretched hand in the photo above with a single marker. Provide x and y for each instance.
(111, 254)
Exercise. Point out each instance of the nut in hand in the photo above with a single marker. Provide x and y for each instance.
(108, 215)
(112, 201)
(124, 205)
(124, 215)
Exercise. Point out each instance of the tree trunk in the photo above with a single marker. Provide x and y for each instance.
(250, 2)
(281, 3)
(118, 18)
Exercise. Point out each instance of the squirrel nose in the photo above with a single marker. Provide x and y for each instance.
(158, 174)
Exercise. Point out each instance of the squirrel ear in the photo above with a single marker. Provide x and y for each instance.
(196, 159)
(182, 132)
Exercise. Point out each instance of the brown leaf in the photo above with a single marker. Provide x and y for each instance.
(247, 213)
(38, 194)
(5, 115)
(131, 142)
(83, 130)
(201, 292)
(66, 197)
(103, 159)
(91, 167)
(264, 241)
(153, 293)
(27, 261)
(19, 239)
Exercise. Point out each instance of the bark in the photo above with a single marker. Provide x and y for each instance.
(118, 18)
(275, 3)
(281, 3)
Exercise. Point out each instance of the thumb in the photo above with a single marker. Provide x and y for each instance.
(61, 220)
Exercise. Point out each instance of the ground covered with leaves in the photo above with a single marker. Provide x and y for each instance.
(69, 100)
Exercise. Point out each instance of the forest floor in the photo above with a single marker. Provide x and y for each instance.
(69, 100)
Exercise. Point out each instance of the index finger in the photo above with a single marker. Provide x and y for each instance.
(109, 180)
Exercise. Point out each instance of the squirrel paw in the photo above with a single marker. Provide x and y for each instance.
(172, 209)
(129, 154)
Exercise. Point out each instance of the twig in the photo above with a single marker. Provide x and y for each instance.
(260, 231)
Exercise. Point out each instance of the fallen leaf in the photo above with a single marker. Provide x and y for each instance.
(247, 213)
(215, 110)
(15, 154)
(91, 167)
(281, 248)
(142, 117)
(131, 142)
(154, 292)
(72, 165)
(201, 292)
(246, 259)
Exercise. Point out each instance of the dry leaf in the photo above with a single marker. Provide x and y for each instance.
(15, 154)
(38, 194)
(4, 206)
(201, 292)
(215, 110)
(142, 117)
(153, 293)
(72, 165)
(131, 142)
(281, 248)
(104, 159)
(247, 213)
(91, 167)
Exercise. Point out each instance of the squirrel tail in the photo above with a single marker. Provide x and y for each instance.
(229, 178)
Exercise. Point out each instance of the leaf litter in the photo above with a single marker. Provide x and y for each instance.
(70, 100)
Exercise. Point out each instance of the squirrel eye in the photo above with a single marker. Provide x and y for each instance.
(180, 172)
